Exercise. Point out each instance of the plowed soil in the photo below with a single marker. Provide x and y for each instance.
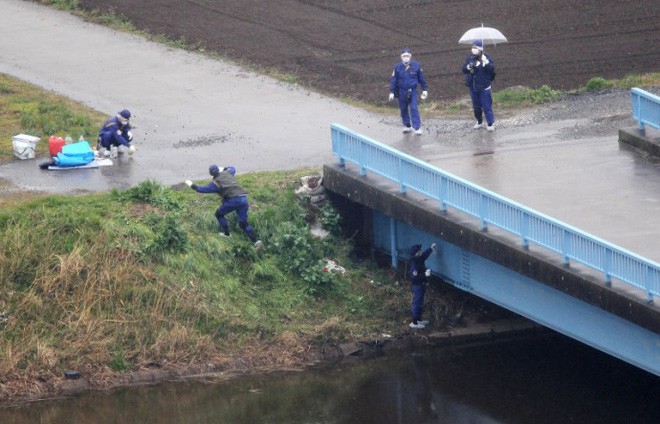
(348, 48)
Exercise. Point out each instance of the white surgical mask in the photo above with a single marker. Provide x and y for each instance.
(405, 58)
(476, 51)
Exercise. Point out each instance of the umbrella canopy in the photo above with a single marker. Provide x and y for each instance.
(486, 34)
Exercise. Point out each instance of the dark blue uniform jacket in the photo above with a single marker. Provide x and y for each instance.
(405, 77)
(480, 77)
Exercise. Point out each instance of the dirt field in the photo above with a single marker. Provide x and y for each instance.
(349, 47)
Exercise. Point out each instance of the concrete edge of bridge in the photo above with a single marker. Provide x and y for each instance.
(647, 140)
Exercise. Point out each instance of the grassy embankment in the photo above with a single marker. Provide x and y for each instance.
(104, 283)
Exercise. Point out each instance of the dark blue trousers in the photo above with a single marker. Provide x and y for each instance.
(418, 291)
(241, 206)
(482, 104)
(408, 101)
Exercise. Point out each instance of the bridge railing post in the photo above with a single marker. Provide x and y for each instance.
(649, 284)
(402, 175)
(442, 195)
(607, 266)
(566, 246)
(483, 211)
(524, 229)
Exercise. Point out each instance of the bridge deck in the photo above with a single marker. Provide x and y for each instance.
(594, 184)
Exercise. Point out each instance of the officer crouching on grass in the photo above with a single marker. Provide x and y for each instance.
(234, 198)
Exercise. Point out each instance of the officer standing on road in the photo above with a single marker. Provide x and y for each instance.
(479, 70)
(418, 274)
(406, 76)
(116, 132)
(234, 198)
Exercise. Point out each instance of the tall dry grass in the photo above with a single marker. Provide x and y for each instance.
(84, 307)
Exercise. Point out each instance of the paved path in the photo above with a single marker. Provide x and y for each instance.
(192, 111)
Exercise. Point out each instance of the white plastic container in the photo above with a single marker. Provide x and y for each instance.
(24, 146)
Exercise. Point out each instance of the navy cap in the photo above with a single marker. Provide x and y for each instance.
(214, 170)
(415, 249)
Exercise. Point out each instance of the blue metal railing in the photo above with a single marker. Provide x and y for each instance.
(491, 208)
(645, 108)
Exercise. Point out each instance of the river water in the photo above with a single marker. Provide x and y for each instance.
(549, 379)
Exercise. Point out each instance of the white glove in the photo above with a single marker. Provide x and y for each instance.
(131, 150)
(434, 247)
(391, 97)
(469, 66)
(189, 183)
(476, 64)
(425, 94)
(130, 135)
(427, 272)
(484, 60)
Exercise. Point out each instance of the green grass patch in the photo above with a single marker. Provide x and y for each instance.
(522, 97)
(27, 109)
(525, 96)
(625, 83)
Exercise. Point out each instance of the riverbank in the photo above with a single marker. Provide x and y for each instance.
(264, 361)
(104, 290)
(497, 331)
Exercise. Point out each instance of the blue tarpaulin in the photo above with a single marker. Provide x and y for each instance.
(75, 154)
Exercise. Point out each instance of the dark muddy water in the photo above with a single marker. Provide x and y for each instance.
(544, 380)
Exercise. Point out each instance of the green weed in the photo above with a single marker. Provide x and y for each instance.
(118, 362)
(598, 84)
(525, 96)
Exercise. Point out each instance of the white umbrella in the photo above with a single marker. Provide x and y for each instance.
(487, 35)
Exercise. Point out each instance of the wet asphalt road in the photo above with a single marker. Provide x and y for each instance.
(562, 160)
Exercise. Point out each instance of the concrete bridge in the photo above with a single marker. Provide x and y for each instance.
(541, 268)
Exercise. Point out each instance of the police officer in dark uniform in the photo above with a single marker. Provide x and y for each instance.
(116, 132)
(479, 70)
(407, 75)
(234, 198)
(418, 274)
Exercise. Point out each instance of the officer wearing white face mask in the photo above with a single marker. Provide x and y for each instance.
(116, 132)
(479, 70)
(407, 75)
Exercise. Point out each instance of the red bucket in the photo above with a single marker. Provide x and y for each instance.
(55, 145)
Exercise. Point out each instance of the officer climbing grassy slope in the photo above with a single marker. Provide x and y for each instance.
(234, 198)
